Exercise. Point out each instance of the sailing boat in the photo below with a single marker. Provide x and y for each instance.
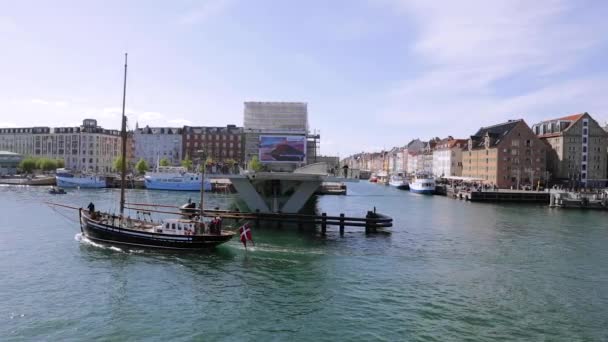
(182, 234)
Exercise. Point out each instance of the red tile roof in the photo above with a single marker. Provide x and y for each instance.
(572, 117)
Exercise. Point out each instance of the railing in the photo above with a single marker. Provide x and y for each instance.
(371, 222)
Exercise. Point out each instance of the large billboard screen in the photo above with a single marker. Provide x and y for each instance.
(282, 148)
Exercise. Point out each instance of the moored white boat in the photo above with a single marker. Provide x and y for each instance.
(398, 182)
(423, 185)
(174, 178)
(67, 179)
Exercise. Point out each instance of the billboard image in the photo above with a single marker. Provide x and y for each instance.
(282, 148)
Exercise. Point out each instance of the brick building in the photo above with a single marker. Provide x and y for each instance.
(507, 155)
(219, 143)
(578, 149)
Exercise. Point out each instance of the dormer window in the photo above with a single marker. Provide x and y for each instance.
(486, 141)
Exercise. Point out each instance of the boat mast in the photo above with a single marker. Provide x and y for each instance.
(123, 136)
(203, 159)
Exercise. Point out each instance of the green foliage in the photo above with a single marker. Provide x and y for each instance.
(209, 161)
(141, 166)
(187, 163)
(28, 164)
(118, 163)
(230, 162)
(255, 164)
(48, 164)
(45, 164)
(164, 162)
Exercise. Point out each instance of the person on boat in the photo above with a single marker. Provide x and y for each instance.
(91, 207)
(218, 225)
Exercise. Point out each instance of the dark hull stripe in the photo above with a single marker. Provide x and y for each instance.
(141, 245)
(110, 234)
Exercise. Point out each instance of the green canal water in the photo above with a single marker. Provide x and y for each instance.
(449, 270)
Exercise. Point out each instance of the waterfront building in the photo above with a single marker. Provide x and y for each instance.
(21, 140)
(221, 144)
(396, 160)
(578, 148)
(280, 119)
(414, 148)
(447, 157)
(86, 148)
(507, 155)
(155, 143)
(412, 162)
(9, 161)
(427, 157)
(278, 116)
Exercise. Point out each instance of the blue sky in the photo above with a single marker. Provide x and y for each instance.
(375, 73)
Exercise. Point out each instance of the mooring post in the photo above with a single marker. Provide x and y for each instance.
(368, 222)
(341, 224)
(257, 218)
(323, 223)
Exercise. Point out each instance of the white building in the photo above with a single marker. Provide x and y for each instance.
(282, 116)
(412, 162)
(155, 143)
(277, 118)
(85, 148)
(447, 157)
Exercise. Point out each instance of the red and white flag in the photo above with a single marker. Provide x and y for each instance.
(245, 232)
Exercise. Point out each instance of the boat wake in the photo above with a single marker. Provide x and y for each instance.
(279, 250)
(86, 241)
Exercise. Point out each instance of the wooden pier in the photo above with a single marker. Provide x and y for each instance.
(372, 221)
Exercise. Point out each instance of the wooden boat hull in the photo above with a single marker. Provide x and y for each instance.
(105, 233)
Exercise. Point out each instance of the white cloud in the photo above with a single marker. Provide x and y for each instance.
(40, 101)
(204, 11)
(7, 25)
(486, 61)
(47, 102)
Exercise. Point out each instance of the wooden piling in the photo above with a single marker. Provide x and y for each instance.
(341, 224)
(323, 223)
(257, 218)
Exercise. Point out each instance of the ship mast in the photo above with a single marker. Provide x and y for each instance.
(123, 136)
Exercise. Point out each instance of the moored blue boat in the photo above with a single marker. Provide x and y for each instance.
(423, 185)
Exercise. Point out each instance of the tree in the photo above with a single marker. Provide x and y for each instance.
(60, 163)
(187, 163)
(255, 164)
(141, 166)
(118, 163)
(209, 161)
(164, 162)
(28, 164)
(48, 164)
(230, 162)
